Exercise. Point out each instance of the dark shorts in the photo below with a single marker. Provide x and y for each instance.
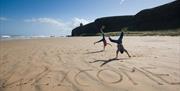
(120, 48)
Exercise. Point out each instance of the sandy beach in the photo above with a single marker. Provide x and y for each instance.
(76, 64)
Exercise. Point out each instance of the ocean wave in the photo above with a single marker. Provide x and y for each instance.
(10, 37)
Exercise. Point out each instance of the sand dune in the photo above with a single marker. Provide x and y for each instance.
(75, 64)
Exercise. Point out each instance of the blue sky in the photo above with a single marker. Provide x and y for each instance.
(59, 17)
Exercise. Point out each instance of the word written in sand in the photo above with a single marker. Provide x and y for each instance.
(56, 78)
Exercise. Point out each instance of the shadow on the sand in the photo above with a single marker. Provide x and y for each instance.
(107, 61)
(95, 52)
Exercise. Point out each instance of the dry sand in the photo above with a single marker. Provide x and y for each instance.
(75, 64)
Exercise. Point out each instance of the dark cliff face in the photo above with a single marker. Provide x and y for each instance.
(159, 18)
(115, 23)
(163, 17)
(88, 30)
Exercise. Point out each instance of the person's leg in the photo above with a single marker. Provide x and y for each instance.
(117, 54)
(127, 52)
(114, 41)
(105, 44)
(98, 41)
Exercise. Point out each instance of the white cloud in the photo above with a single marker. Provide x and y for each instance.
(50, 21)
(3, 18)
(122, 1)
(77, 21)
(69, 25)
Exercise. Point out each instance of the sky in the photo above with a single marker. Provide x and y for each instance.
(59, 17)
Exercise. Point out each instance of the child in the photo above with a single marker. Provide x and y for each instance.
(120, 47)
(103, 39)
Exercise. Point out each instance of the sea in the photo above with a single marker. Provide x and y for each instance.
(17, 37)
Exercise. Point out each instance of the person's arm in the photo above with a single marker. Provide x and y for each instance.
(98, 41)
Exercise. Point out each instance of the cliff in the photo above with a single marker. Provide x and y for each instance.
(163, 17)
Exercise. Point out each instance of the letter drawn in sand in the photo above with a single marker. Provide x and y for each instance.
(134, 69)
(65, 75)
(80, 72)
(101, 79)
(128, 76)
(160, 76)
(38, 77)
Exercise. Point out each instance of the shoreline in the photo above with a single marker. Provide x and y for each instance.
(36, 38)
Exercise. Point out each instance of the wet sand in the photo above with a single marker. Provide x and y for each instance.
(76, 64)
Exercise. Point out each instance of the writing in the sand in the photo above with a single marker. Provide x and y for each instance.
(43, 78)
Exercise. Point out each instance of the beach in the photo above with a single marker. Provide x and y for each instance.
(76, 64)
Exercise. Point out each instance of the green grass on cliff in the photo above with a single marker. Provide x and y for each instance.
(175, 32)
